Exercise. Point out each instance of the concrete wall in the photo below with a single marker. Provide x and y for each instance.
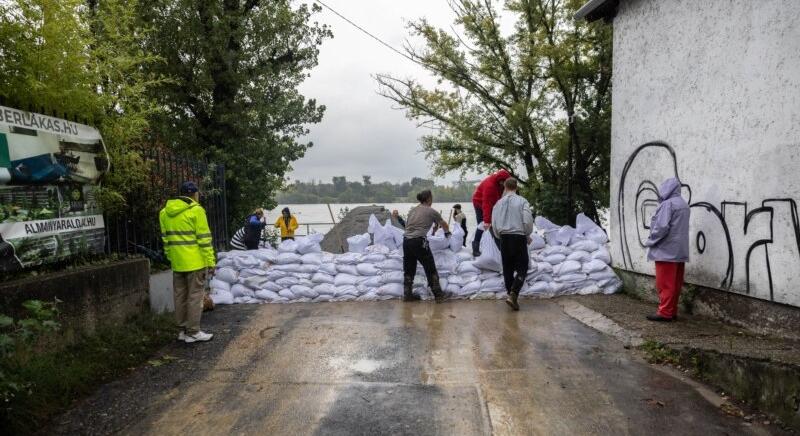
(90, 296)
(709, 91)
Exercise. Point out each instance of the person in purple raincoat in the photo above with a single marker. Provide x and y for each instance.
(669, 247)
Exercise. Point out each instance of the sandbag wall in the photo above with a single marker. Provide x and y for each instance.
(563, 260)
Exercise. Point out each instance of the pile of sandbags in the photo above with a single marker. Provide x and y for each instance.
(563, 261)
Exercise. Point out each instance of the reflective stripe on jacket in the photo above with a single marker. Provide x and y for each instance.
(287, 231)
(186, 236)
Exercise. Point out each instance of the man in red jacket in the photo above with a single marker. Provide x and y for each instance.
(486, 195)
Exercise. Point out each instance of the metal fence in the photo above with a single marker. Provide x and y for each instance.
(137, 230)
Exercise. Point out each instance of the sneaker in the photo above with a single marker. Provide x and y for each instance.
(411, 297)
(182, 336)
(200, 336)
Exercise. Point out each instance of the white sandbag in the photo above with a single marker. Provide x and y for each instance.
(250, 272)
(544, 267)
(303, 291)
(345, 297)
(348, 259)
(490, 255)
(605, 273)
(540, 288)
(555, 259)
(287, 246)
(392, 277)
(268, 295)
(373, 258)
(537, 242)
(464, 256)
(369, 296)
(287, 294)
(226, 275)
(255, 282)
(325, 289)
(556, 249)
(594, 265)
(372, 282)
(471, 287)
(612, 286)
(590, 230)
(367, 269)
(322, 298)
(311, 258)
(221, 297)
(574, 277)
(271, 286)
(266, 254)
(438, 241)
(287, 258)
(274, 274)
(453, 289)
(345, 279)
(567, 267)
(310, 243)
(378, 249)
(328, 268)
(589, 289)
(357, 243)
(321, 277)
(493, 283)
(456, 279)
(585, 245)
(456, 238)
(287, 281)
(392, 289)
(227, 262)
(446, 262)
(603, 255)
(467, 267)
(242, 262)
(390, 265)
(564, 235)
(347, 269)
(288, 268)
(219, 285)
(346, 290)
(239, 290)
(580, 256)
(486, 275)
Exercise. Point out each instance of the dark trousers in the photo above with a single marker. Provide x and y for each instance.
(476, 243)
(514, 252)
(416, 249)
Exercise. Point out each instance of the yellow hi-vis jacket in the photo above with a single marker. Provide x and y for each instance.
(186, 236)
(287, 231)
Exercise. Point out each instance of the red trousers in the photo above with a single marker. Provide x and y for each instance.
(669, 280)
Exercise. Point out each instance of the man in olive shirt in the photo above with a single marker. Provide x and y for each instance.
(415, 247)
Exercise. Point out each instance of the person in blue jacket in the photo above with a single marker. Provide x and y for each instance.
(253, 227)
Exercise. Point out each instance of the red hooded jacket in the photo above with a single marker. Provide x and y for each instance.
(489, 192)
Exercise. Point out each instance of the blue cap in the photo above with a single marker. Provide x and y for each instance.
(188, 188)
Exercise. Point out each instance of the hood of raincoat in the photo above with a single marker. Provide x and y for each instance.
(176, 206)
(669, 188)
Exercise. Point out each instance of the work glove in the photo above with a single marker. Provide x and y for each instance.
(447, 234)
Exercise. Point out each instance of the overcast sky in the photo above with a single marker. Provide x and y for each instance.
(361, 133)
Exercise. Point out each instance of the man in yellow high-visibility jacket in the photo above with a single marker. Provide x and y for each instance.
(187, 244)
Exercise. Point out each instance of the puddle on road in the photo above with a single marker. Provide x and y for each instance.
(364, 366)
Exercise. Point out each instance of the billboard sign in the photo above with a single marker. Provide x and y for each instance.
(49, 170)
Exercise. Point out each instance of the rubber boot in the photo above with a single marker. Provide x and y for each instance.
(408, 294)
(436, 288)
(513, 293)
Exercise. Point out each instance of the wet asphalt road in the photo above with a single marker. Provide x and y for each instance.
(460, 368)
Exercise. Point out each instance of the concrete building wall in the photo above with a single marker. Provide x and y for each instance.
(710, 91)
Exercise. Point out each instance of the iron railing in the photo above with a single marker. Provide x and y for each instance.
(137, 230)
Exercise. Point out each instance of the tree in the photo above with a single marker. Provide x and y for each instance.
(235, 67)
(537, 99)
(83, 60)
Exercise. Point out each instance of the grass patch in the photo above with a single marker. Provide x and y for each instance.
(55, 379)
(659, 353)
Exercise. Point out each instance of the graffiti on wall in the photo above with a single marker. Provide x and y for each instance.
(750, 248)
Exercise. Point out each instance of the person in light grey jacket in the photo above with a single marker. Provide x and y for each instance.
(512, 223)
(669, 247)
